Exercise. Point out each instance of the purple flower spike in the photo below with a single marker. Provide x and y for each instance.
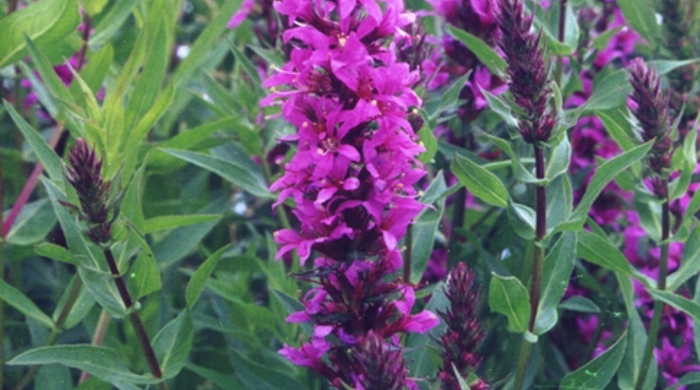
(652, 113)
(527, 70)
(381, 365)
(352, 179)
(84, 174)
(461, 340)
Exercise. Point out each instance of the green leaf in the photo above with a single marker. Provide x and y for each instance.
(234, 171)
(55, 252)
(681, 303)
(558, 160)
(98, 361)
(665, 66)
(501, 107)
(604, 175)
(580, 304)
(199, 278)
(648, 209)
(480, 182)
(690, 262)
(49, 159)
(519, 169)
(247, 66)
(508, 296)
(167, 222)
(679, 186)
(597, 373)
(424, 228)
(559, 202)
(523, 219)
(601, 251)
(144, 276)
(428, 140)
(481, 50)
(224, 381)
(462, 384)
(53, 83)
(450, 97)
(101, 286)
(46, 22)
(614, 128)
(204, 42)
(258, 377)
(140, 130)
(24, 305)
(111, 22)
(640, 15)
(558, 266)
(687, 379)
(33, 223)
(173, 343)
(150, 79)
(609, 91)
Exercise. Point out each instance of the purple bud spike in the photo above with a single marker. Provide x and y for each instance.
(381, 365)
(527, 70)
(84, 174)
(652, 113)
(461, 340)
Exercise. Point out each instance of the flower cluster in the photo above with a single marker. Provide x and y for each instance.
(652, 113)
(84, 174)
(527, 70)
(461, 340)
(352, 178)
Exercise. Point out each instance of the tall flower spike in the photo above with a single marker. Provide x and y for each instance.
(463, 335)
(652, 113)
(381, 365)
(527, 70)
(84, 174)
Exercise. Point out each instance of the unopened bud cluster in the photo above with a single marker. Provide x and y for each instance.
(527, 70)
(84, 174)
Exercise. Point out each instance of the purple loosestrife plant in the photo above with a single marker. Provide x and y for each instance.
(528, 70)
(84, 174)
(652, 114)
(529, 84)
(463, 335)
(352, 178)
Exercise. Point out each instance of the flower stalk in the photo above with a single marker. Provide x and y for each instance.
(84, 174)
(529, 84)
(653, 117)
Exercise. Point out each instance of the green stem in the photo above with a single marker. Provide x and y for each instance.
(658, 305)
(522, 363)
(562, 29)
(537, 258)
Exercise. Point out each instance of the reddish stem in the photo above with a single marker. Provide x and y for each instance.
(29, 186)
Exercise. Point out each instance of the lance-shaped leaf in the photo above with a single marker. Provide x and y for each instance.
(46, 22)
(101, 362)
(480, 182)
(604, 175)
(485, 54)
(173, 343)
(597, 373)
(558, 266)
(508, 296)
(602, 252)
(681, 303)
(425, 226)
(234, 171)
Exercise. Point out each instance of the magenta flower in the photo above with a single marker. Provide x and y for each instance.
(352, 179)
